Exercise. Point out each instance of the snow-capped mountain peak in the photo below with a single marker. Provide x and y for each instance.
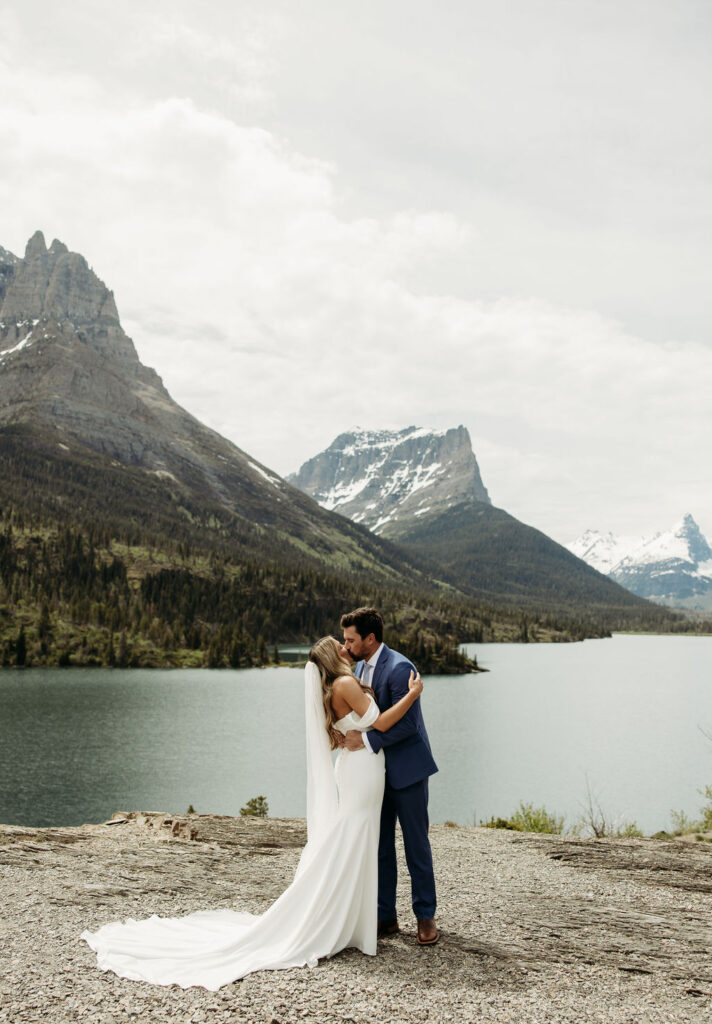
(671, 567)
(378, 476)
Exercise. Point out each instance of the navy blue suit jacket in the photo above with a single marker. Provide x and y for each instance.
(406, 744)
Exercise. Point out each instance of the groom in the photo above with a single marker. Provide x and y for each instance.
(409, 763)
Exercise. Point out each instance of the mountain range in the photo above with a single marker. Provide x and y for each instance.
(672, 567)
(423, 489)
(131, 533)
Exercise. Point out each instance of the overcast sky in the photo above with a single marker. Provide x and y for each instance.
(321, 214)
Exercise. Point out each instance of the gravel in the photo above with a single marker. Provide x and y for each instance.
(534, 928)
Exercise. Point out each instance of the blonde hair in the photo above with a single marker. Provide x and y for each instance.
(326, 657)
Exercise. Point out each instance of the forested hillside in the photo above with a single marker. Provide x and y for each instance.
(99, 567)
(79, 596)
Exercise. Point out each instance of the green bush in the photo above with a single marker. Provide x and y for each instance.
(628, 829)
(682, 825)
(706, 821)
(528, 818)
(497, 823)
(257, 807)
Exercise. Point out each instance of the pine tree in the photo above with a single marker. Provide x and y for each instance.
(44, 626)
(21, 647)
(122, 659)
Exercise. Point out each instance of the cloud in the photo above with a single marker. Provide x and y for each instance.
(281, 320)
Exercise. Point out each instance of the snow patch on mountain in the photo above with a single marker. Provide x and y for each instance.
(274, 480)
(16, 348)
(344, 492)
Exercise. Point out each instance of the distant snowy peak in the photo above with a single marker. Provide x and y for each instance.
(607, 553)
(602, 550)
(378, 477)
(672, 567)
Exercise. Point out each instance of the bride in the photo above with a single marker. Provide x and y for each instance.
(332, 902)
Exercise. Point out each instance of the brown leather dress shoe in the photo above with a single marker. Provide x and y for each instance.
(428, 933)
(387, 928)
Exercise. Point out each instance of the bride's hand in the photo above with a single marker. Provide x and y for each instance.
(415, 683)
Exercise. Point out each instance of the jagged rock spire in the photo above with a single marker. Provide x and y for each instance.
(36, 246)
(58, 289)
(58, 284)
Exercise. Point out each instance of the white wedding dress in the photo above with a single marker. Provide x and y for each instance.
(331, 904)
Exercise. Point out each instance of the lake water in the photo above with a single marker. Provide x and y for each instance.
(625, 714)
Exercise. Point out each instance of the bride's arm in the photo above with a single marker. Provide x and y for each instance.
(358, 700)
(394, 714)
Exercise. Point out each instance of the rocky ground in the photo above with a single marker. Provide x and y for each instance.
(534, 928)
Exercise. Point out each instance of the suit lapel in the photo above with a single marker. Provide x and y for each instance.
(381, 671)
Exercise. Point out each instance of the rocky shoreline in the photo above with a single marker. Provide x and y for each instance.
(534, 928)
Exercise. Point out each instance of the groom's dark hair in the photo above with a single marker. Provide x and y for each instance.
(364, 621)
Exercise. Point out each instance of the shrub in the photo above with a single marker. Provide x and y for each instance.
(607, 828)
(599, 824)
(706, 822)
(497, 823)
(682, 825)
(528, 818)
(257, 807)
(628, 829)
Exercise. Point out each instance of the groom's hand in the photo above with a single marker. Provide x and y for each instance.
(354, 740)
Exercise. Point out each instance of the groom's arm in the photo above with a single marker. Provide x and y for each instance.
(408, 725)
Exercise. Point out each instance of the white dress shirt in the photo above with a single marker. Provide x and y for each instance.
(372, 668)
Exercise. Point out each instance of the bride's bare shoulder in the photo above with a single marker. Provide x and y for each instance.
(342, 684)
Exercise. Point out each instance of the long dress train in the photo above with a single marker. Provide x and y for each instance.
(331, 904)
